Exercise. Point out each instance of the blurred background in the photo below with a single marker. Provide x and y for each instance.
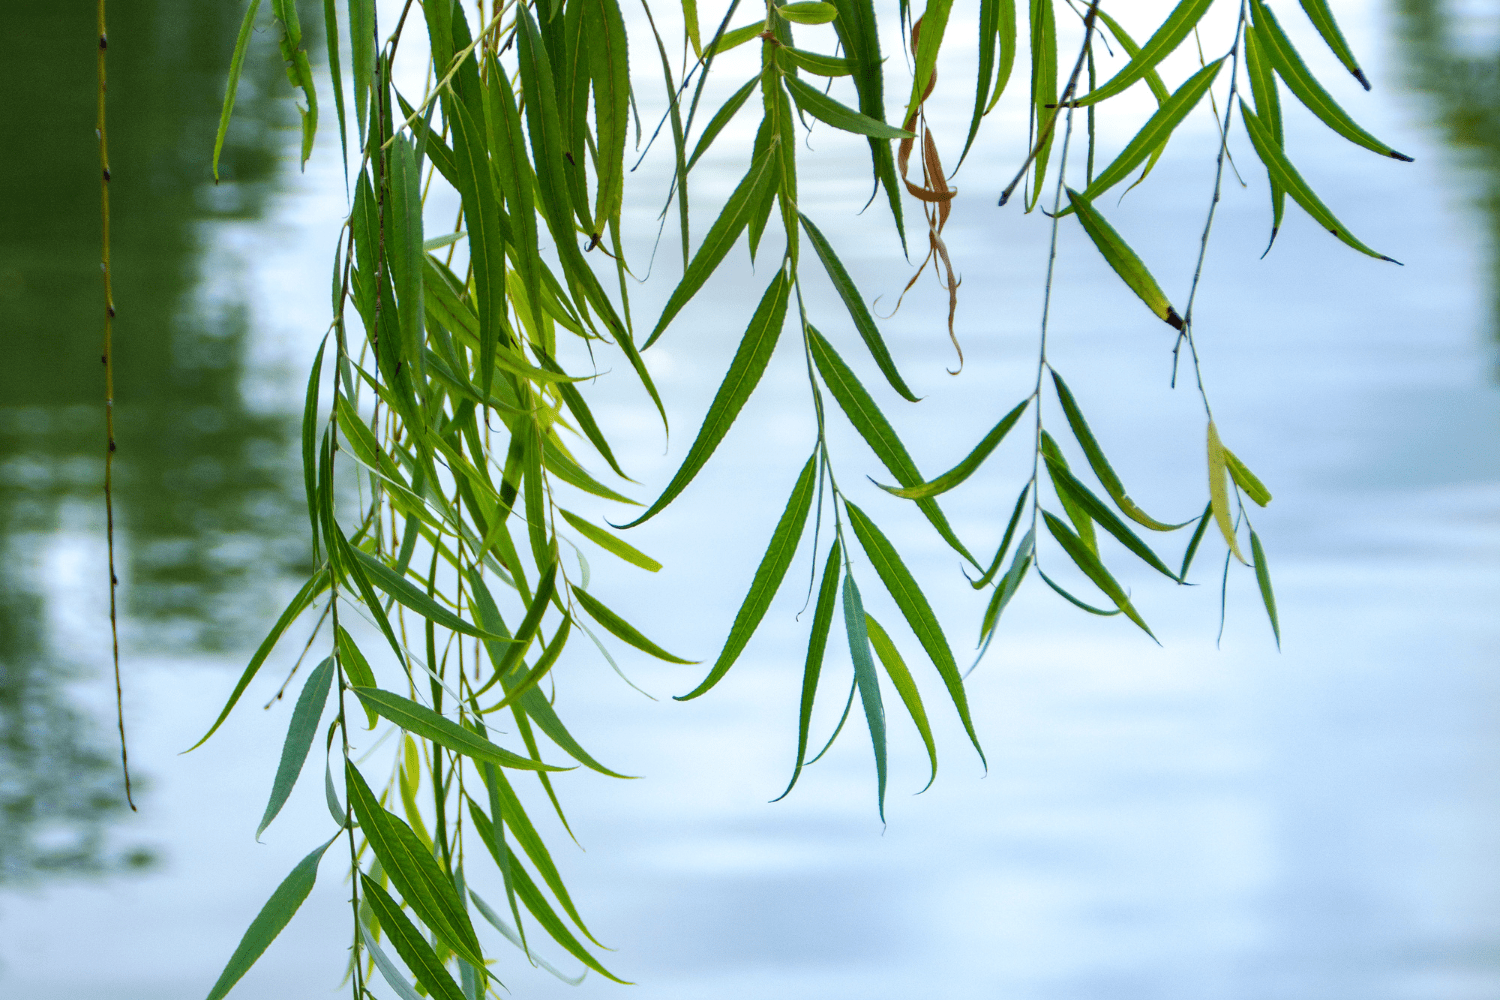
(1195, 821)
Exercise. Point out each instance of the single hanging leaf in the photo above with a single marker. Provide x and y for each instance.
(1218, 491)
(236, 64)
(736, 37)
(1086, 560)
(622, 629)
(310, 442)
(1263, 578)
(997, 23)
(387, 968)
(510, 935)
(1009, 584)
(270, 921)
(768, 577)
(963, 470)
(1195, 541)
(1081, 496)
(721, 118)
(1178, 25)
(1322, 19)
(857, 30)
(411, 596)
(1301, 82)
(424, 722)
(1268, 105)
(915, 609)
(298, 70)
(1100, 464)
(813, 62)
(404, 250)
(1082, 523)
(1246, 480)
(610, 543)
(744, 374)
(299, 737)
(867, 682)
(1004, 546)
(831, 112)
(900, 676)
(1284, 174)
(409, 943)
(1081, 605)
(1043, 89)
(812, 668)
(928, 30)
(808, 12)
(1124, 260)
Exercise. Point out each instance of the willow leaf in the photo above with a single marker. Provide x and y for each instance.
(1322, 19)
(622, 629)
(1195, 541)
(1106, 519)
(299, 737)
(1246, 480)
(831, 112)
(1153, 78)
(915, 609)
(1081, 605)
(721, 118)
(971, 463)
(424, 722)
(1043, 88)
(411, 596)
(388, 968)
(609, 67)
(808, 12)
(1004, 546)
(906, 687)
(1124, 260)
(744, 375)
(1283, 173)
(1218, 491)
(857, 30)
(356, 668)
(1263, 579)
(1009, 584)
(817, 63)
(269, 922)
(1082, 523)
(934, 22)
(610, 543)
(767, 579)
(514, 938)
(236, 64)
(736, 37)
(1162, 43)
(1301, 82)
(1268, 105)
(409, 943)
(544, 664)
(867, 682)
(1086, 560)
(858, 311)
(487, 239)
(812, 668)
(997, 25)
(310, 441)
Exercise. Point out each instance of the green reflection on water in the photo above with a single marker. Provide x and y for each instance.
(206, 495)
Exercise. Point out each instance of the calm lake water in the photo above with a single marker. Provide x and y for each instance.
(1177, 823)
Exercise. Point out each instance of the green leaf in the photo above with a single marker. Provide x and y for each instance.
(813, 62)
(268, 923)
(867, 682)
(298, 70)
(1085, 559)
(971, 463)
(299, 737)
(1193, 543)
(736, 37)
(877, 431)
(1301, 82)
(1082, 523)
(236, 63)
(609, 69)
(356, 667)
(721, 118)
(1004, 547)
(544, 664)
(840, 116)
(1218, 491)
(744, 374)
(510, 935)
(768, 577)
(1322, 19)
(404, 251)
(997, 24)
(622, 629)
(387, 967)
(424, 722)
(1246, 480)
(1178, 25)
(610, 543)
(1080, 495)
(1284, 174)
(929, 40)
(817, 643)
(487, 235)
(1009, 583)
(1268, 105)
(1263, 578)
(858, 311)
(300, 603)
(858, 33)
(362, 56)
(409, 595)
(1043, 87)
(915, 609)
(1124, 260)
(409, 943)
(1081, 605)
(895, 668)
(310, 441)
(808, 12)
(1153, 78)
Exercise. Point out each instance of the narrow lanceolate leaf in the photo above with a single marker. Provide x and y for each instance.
(1100, 464)
(310, 441)
(1322, 19)
(362, 56)
(1081, 605)
(971, 463)
(1009, 584)
(298, 70)
(808, 12)
(1178, 25)
(268, 923)
(929, 40)
(813, 62)
(410, 595)
(1080, 495)
(858, 311)
(721, 237)
(388, 968)
(622, 629)
(609, 68)
(486, 237)
(857, 31)
(409, 943)
(1283, 173)
(830, 111)
(1158, 129)
(915, 609)
(1124, 260)
(867, 681)
(906, 687)
(812, 668)
(1246, 480)
(1082, 522)
(721, 118)
(1263, 578)
(1301, 82)
(768, 577)
(1195, 541)
(610, 543)
(1268, 105)
(356, 667)
(300, 603)
(236, 63)
(997, 24)
(299, 737)
(424, 722)
(1085, 559)
(1004, 546)
(1043, 89)
(872, 425)
(735, 37)
(1218, 490)
(744, 374)
(1153, 78)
